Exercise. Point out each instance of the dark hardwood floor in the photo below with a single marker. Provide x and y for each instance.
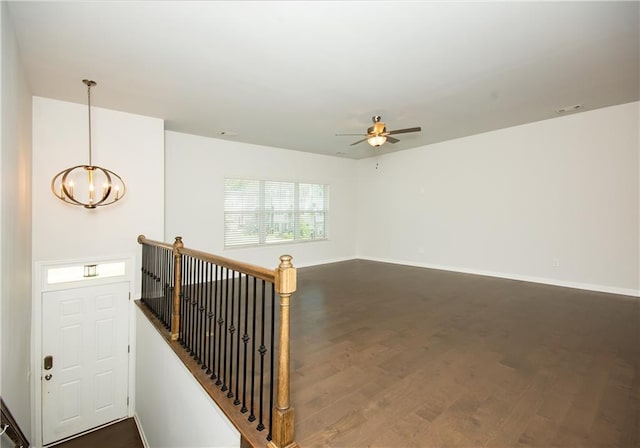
(394, 356)
(123, 434)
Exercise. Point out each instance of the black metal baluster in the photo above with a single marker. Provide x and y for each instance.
(161, 290)
(203, 329)
(196, 312)
(237, 400)
(172, 287)
(245, 341)
(187, 292)
(150, 276)
(147, 274)
(157, 283)
(184, 301)
(226, 330)
(187, 300)
(145, 262)
(192, 304)
(192, 270)
(206, 361)
(201, 313)
(203, 317)
(192, 317)
(252, 416)
(154, 283)
(215, 326)
(232, 332)
(143, 269)
(168, 292)
(219, 329)
(189, 287)
(271, 377)
(262, 350)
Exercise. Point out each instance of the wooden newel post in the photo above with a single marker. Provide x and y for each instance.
(177, 285)
(282, 431)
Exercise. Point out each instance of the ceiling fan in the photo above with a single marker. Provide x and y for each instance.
(377, 134)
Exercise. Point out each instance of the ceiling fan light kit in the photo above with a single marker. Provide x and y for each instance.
(376, 140)
(377, 135)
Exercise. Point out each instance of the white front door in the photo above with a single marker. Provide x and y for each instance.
(85, 331)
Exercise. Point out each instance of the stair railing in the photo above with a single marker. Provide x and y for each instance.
(223, 314)
(9, 427)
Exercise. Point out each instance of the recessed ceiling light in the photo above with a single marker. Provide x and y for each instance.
(573, 108)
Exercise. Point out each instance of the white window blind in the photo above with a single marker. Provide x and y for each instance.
(266, 212)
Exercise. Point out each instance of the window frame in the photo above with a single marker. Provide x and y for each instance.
(261, 211)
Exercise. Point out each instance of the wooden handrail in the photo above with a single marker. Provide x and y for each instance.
(238, 266)
(284, 280)
(143, 240)
(246, 268)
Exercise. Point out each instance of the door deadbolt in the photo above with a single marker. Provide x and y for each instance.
(47, 377)
(48, 362)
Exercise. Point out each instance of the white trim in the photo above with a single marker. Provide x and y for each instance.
(132, 353)
(39, 286)
(525, 278)
(141, 431)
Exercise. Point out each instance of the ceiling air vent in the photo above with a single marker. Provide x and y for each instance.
(567, 109)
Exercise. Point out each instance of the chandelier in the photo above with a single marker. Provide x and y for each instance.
(89, 185)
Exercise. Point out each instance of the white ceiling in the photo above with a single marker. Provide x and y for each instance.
(292, 74)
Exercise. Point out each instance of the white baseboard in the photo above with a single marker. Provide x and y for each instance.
(141, 431)
(525, 278)
(327, 261)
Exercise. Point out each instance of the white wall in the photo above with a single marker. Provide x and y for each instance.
(15, 229)
(195, 172)
(130, 145)
(554, 201)
(171, 407)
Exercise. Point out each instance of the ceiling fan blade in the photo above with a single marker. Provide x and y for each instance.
(404, 131)
(359, 141)
(392, 140)
(340, 135)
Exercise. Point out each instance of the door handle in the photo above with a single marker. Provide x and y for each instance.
(48, 377)
(48, 362)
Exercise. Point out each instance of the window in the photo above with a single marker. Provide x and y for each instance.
(266, 212)
(79, 272)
